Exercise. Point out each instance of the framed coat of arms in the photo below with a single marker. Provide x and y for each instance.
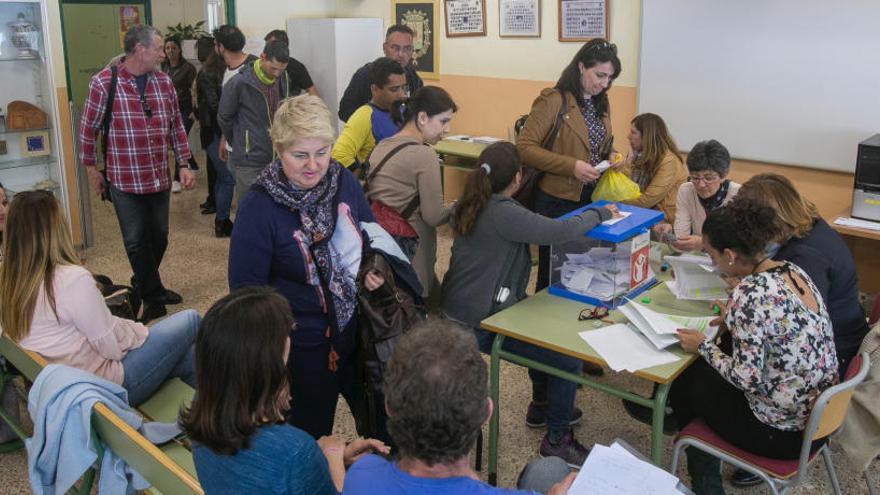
(421, 17)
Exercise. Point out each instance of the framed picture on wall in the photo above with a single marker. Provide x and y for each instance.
(583, 20)
(421, 17)
(34, 143)
(465, 18)
(519, 18)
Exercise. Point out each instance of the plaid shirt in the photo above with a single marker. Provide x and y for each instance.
(137, 146)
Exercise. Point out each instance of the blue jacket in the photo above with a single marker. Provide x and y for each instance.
(61, 449)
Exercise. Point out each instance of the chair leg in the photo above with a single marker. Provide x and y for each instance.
(826, 455)
(675, 454)
(870, 482)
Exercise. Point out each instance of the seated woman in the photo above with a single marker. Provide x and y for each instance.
(707, 188)
(653, 163)
(409, 180)
(236, 421)
(299, 230)
(782, 356)
(489, 271)
(50, 304)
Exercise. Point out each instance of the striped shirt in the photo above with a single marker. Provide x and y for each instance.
(137, 156)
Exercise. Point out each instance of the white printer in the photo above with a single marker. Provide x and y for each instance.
(866, 190)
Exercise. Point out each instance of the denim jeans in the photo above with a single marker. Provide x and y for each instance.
(167, 353)
(225, 181)
(551, 206)
(143, 220)
(558, 393)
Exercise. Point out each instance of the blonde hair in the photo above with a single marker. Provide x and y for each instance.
(36, 241)
(301, 117)
(795, 213)
(656, 141)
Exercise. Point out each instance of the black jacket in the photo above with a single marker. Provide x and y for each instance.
(358, 91)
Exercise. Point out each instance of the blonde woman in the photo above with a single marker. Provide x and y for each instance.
(653, 163)
(299, 230)
(50, 304)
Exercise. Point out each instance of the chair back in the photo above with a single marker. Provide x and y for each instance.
(875, 311)
(832, 405)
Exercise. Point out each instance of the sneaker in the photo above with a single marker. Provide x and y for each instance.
(176, 187)
(743, 479)
(644, 414)
(223, 228)
(536, 416)
(568, 449)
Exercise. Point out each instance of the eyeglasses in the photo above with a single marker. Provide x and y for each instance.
(596, 313)
(148, 110)
(401, 49)
(706, 179)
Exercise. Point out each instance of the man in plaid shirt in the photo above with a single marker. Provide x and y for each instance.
(145, 120)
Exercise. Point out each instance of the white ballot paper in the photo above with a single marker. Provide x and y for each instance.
(623, 216)
(626, 349)
(614, 471)
(695, 278)
(661, 328)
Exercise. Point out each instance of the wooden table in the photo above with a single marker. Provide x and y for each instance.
(552, 322)
(864, 245)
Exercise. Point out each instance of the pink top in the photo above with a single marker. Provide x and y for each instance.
(85, 335)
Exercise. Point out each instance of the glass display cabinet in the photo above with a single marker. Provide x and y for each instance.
(30, 142)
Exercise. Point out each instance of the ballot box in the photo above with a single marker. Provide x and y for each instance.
(609, 263)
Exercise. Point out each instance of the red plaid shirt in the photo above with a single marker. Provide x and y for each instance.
(137, 146)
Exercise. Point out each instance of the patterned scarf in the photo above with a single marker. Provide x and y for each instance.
(715, 200)
(318, 217)
(595, 126)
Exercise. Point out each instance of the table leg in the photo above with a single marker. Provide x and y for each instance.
(494, 367)
(657, 424)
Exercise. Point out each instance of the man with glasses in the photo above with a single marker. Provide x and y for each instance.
(398, 46)
(142, 120)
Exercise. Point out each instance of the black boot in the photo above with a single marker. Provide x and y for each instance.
(222, 228)
(705, 471)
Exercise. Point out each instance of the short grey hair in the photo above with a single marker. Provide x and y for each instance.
(139, 34)
(709, 156)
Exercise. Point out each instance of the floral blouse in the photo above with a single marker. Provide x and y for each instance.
(783, 353)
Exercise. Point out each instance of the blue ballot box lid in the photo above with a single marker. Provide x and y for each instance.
(639, 220)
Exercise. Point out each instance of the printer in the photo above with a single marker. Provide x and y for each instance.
(866, 189)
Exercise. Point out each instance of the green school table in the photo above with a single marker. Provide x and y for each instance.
(552, 322)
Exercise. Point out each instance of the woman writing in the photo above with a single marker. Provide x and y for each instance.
(299, 230)
(489, 271)
(50, 304)
(653, 163)
(409, 180)
(707, 188)
(241, 444)
(183, 75)
(782, 356)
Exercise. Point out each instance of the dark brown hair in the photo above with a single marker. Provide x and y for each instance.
(497, 167)
(432, 100)
(656, 142)
(744, 226)
(594, 52)
(240, 369)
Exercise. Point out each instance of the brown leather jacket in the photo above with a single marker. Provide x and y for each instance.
(661, 192)
(572, 143)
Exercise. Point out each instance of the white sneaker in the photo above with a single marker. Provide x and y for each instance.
(176, 187)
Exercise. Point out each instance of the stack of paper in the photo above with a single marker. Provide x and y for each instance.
(486, 139)
(857, 223)
(660, 328)
(615, 471)
(626, 349)
(695, 278)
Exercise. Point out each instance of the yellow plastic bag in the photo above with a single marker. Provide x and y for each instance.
(616, 186)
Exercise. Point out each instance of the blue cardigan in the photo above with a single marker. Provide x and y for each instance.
(827, 260)
(264, 251)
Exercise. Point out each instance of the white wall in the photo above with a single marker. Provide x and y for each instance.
(171, 12)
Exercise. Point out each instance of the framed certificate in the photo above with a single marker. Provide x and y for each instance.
(519, 18)
(35, 143)
(421, 17)
(583, 20)
(465, 18)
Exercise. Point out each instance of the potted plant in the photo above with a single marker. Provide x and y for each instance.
(187, 34)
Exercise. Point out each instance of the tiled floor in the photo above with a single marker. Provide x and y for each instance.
(195, 266)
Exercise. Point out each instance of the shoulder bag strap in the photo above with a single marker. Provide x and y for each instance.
(108, 112)
(371, 175)
(551, 137)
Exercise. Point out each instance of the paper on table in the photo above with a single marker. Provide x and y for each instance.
(859, 224)
(626, 349)
(699, 323)
(695, 278)
(643, 325)
(486, 139)
(608, 471)
(623, 215)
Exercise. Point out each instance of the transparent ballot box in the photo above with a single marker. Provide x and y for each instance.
(610, 263)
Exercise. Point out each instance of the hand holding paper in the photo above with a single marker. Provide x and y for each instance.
(689, 339)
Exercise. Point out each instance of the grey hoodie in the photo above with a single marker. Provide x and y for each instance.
(496, 254)
(245, 119)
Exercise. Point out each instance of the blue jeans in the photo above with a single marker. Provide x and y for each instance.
(225, 181)
(167, 353)
(558, 393)
(143, 220)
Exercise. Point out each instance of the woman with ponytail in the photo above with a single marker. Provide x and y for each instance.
(781, 356)
(404, 175)
(489, 271)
